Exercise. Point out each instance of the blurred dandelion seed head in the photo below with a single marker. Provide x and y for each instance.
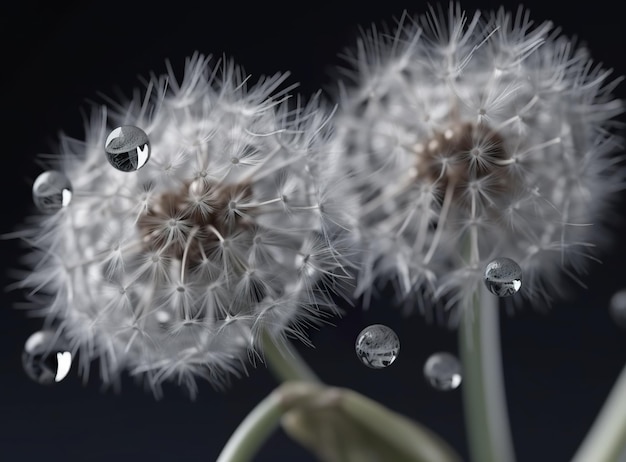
(470, 137)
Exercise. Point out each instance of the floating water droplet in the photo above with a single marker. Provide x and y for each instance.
(377, 346)
(617, 308)
(44, 358)
(503, 277)
(127, 148)
(52, 191)
(443, 371)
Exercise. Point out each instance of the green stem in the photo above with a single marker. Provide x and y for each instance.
(253, 430)
(286, 363)
(261, 422)
(606, 440)
(486, 416)
(288, 366)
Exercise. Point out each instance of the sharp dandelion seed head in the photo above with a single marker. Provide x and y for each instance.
(196, 219)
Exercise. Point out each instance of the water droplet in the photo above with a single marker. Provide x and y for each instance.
(197, 188)
(503, 277)
(127, 148)
(443, 371)
(163, 318)
(52, 191)
(44, 358)
(617, 308)
(377, 346)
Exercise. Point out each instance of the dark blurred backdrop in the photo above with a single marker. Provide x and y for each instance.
(558, 366)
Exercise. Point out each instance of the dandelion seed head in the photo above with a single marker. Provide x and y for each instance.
(470, 137)
(170, 271)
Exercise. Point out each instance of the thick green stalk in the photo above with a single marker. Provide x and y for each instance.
(486, 416)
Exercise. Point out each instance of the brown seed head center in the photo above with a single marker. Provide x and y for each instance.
(461, 155)
(196, 217)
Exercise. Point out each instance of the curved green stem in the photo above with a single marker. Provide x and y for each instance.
(253, 430)
(606, 440)
(261, 422)
(484, 400)
(286, 363)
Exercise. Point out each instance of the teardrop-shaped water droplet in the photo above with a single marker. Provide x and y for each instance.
(52, 191)
(617, 308)
(377, 346)
(503, 277)
(443, 371)
(45, 360)
(127, 148)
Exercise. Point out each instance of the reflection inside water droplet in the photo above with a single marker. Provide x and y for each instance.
(377, 346)
(443, 371)
(52, 191)
(44, 358)
(127, 148)
(503, 277)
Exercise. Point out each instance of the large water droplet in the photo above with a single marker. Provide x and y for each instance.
(617, 308)
(503, 277)
(44, 358)
(127, 148)
(52, 191)
(377, 346)
(443, 371)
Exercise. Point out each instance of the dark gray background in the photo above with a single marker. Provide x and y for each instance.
(558, 367)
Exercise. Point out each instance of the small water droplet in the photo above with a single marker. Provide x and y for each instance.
(377, 346)
(503, 277)
(52, 191)
(617, 308)
(45, 359)
(163, 318)
(197, 188)
(127, 148)
(443, 371)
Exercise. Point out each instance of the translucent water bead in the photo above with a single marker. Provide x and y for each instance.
(377, 346)
(503, 277)
(443, 371)
(52, 191)
(127, 148)
(44, 359)
(617, 308)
